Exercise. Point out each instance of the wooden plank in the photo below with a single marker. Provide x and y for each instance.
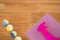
(52, 8)
(5, 38)
(49, 8)
(30, 1)
(2, 6)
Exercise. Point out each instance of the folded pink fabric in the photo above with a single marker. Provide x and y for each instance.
(53, 28)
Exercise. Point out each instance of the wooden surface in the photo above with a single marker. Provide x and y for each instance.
(22, 14)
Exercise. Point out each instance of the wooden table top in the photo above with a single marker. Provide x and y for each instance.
(22, 14)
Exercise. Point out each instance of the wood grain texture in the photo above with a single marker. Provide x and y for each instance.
(22, 14)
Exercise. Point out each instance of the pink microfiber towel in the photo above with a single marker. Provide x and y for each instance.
(53, 27)
(48, 36)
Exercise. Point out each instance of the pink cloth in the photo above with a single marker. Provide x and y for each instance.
(53, 28)
(48, 36)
